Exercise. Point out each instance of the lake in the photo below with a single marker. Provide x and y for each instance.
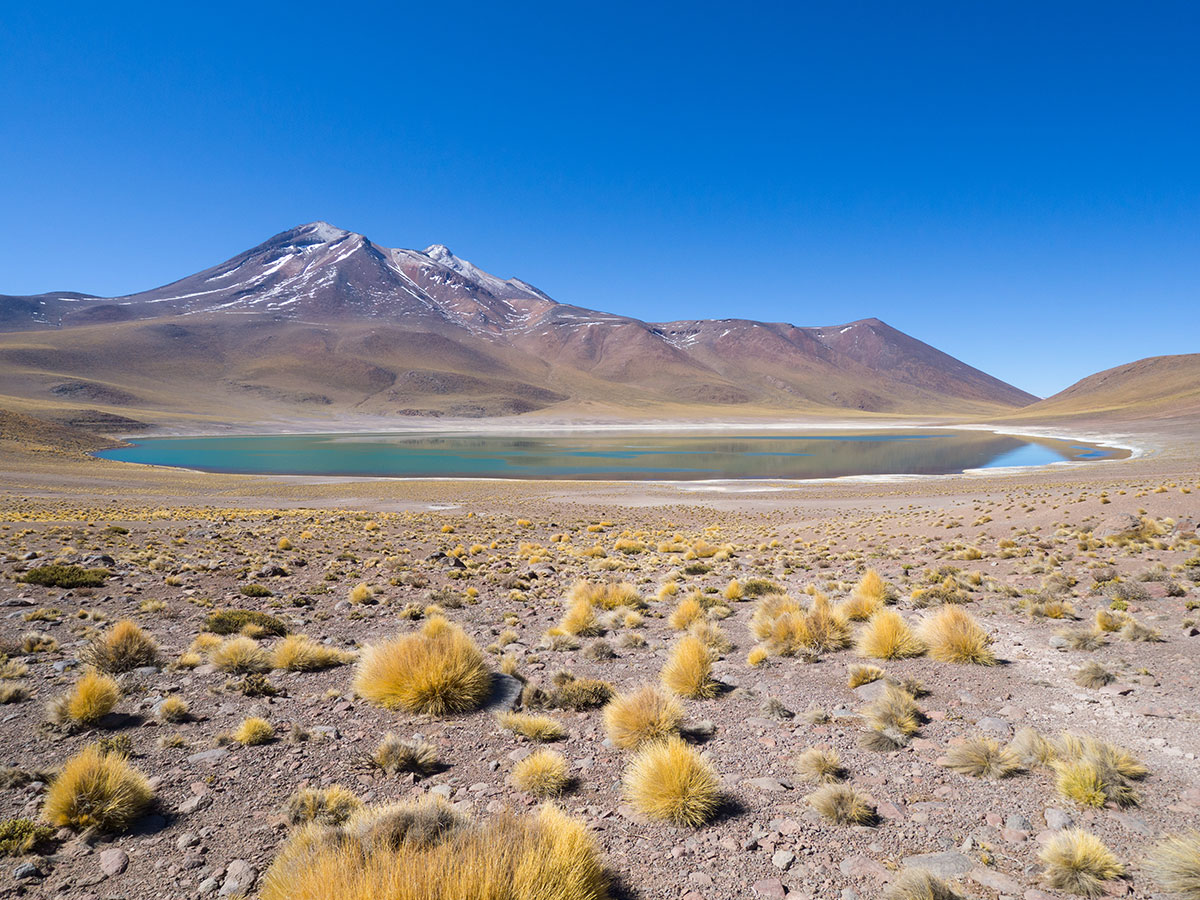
(594, 455)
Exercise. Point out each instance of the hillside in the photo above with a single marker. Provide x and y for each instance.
(319, 323)
(1160, 388)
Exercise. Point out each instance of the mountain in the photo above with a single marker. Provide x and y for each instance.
(319, 322)
(1160, 388)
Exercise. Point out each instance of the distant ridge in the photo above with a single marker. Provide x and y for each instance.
(320, 321)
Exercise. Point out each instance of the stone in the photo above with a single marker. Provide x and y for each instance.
(992, 725)
(193, 803)
(947, 864)
(113, 861)
(863, 867)
(772, 785)
(506, 691)
(1057, 819)
(239, 878)
(28, 870)
(783, 859)
(771, 888)
(209, 756)
(997, 881)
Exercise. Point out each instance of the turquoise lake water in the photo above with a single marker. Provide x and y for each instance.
(608, 456)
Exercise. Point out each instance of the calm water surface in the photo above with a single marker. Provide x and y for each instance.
(610, 457)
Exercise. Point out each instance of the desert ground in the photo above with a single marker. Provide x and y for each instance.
(1080, 585)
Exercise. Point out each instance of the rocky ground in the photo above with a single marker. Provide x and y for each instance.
(501, 558)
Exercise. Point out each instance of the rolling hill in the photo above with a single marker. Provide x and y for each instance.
(319, 323)
(1160, 388)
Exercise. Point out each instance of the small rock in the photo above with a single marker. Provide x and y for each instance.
(113, 861)
(771, 888)
(29, 870)
(239, 878)
(1057, 819)
(783, 859)
(947, 864)
(773, 785)
(506, 691)
(997, 881)
(209, 756)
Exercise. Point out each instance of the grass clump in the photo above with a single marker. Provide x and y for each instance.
(920, 884)
(868, 597)
(426, 851)
(821, 766)
(20, 836)
(953, 635)
(688, 671)
(254, 590)
(842, 804)
(92, 698)
(580, 693)
(542, 774)
(982, 757)
(860, 675)
(300, 653)
(887, 636)
(173, 710)
(97, 790)
(395, 755)
(892, 719)
(123, 648)
(1077, 862)
(640, 716)
(65, 576)
(1093, 772)
(786, 628)
(240, 655)
(232, 621)
(1092, 675)
(1175, 864)
(670, 782)
(325, 806)
(534, 727)
(254, 731)
(438, 671)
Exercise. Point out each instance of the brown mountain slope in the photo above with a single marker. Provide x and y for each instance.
(1163, 388)
(322, 322)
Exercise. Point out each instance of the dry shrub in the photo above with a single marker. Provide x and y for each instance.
(982, 757)
(919, 884)
(868, 597)
(1093, 772)
(860, 675)
(438, 670)
(1175, 864)
(362, 593)
(642, 715)
(689, 611)
(580, 620)
(92, 698)
(173, 710)
(1092, 675)
(96, 789)
(887, 636)
(606, 595)
(542, 774)
(842, 804)
(953, 635)
(787, 628)
(688, 671)
(241, 655)
(1031, 749)
(821, 766)
(580, 693)
(325, 806)
(300, 653)
(426, 852)
(1077, 862)
(536, 728)
(669, 781)
(713, 635)
(254, 731)
(395, 755)
(123, 648)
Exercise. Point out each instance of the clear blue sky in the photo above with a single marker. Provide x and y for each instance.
(1015, 183)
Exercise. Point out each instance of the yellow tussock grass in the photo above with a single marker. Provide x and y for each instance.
(669, 781)
(642, 715)
(96, 789)
(887, 636)
(1077, 862)
(438, 670)
(688, 671)
(542, 774)
(953, 635)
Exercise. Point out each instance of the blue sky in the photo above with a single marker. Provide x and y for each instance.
(1015, 183)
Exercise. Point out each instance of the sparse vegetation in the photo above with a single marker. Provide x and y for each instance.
(953, 635)
(842, 804)
(1077, 862)
(642, 715)
(543, 774)
(97, 790)
(123, 648)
